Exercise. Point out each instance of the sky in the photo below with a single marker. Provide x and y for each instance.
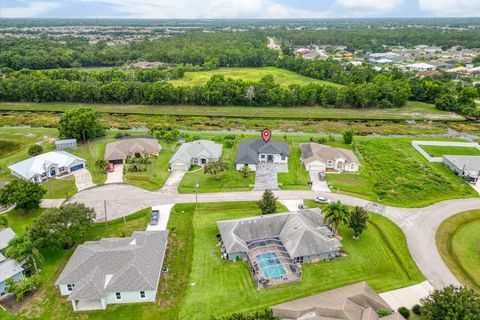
(177, 9)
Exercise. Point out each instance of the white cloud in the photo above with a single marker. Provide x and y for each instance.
(31, 9)
(451, 8)
(366, 7)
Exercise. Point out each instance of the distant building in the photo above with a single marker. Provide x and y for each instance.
(421, 66)
(467, 167)
(47, 165)
(61, 145)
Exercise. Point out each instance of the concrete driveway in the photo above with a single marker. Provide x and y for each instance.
(266, 175)
(407, 297)
(83, 179)
(317, 185)
(116, 176)
(173, 181)
(164, 210)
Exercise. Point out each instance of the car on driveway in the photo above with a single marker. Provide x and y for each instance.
(154, 217)
(321, 176)
(302, 207)
(322, 200)
(111, 167)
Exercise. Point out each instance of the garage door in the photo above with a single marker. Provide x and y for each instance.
(179, 167)
(76, 167)
(316, 168)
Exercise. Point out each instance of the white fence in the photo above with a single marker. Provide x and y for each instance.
(417, 145)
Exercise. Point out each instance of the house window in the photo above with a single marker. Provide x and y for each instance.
(352, 166)
(283, 157)
(142, 294)
(262, 156)
(329, 163)
(118, 296)
(70, 287)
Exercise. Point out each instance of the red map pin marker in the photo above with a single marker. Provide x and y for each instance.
(266, 135)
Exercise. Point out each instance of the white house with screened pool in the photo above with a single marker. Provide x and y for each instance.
(47, 165)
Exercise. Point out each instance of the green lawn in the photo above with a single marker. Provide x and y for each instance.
(439, 151)
(297, 177)
(394, 173)
(220, 287)
(280, 76)
(413, 110)
(229, 180)
(458, 241)
(60, 188)
(157, 172)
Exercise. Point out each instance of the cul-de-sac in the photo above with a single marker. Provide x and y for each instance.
(239, 161)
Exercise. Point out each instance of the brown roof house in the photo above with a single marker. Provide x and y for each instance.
(131, 147)
(354, 302)
(320, 157)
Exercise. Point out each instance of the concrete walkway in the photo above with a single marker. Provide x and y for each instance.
(51, 203)
(407, 297)
(116, 176)
(418, 224)
(83, 179)
(173, 181)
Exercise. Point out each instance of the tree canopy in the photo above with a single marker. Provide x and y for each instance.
(81, 124)
(25, 195)
(451, 303)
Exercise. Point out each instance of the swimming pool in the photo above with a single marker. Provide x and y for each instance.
(271, 266)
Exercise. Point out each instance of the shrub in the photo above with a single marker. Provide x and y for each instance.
(24, 285)
(417, 309)
(322, 140)
(120, 135)
(383, 313)
(404, 312)
(348, 136)
(35, 150)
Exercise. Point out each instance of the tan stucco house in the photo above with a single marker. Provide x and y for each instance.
(319, 157)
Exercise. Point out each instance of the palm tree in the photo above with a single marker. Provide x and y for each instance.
(21, 248)
(336, 214)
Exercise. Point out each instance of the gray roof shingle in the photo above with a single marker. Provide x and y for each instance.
(6, 234)
(116, 265)
(196, 149)
(248, 150)
(301, 232)
(119, 150)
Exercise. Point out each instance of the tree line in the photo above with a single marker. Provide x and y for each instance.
(220, 49)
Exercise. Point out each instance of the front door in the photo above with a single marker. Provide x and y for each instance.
(53, 172)
(270, 158)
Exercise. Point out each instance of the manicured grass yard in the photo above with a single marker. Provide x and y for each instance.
(439, 151)
(281, 76)
(221, 287)
(157, 172)
(392, 172)
(458, 241)
(60, 188)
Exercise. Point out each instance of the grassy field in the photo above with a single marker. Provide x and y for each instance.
(439, 151)
(60, 188)
(413, 110)
(280, 76)
(221, 287)
(458, 241)
(392, 172)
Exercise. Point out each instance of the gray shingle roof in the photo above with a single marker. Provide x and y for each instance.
(115, 265)
(354, 302)
(119, 150)
(9, 268)
(196, 149)
(467, 163)
(6, 234)
(301, 232)
(248, 150)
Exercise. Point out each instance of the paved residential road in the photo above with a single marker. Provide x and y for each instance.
(418, 224)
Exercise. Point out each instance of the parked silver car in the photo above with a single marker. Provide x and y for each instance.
(154, 218)
(322, 200)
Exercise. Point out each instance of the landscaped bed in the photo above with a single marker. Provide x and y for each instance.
(458, 241)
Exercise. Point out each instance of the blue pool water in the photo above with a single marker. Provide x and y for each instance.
(271, 265)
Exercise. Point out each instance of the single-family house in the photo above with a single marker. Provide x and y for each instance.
(319, 157)
(114, 271)
(255, 151)
(198, 152)
(353, 302)
(61, 145)
(275, 245)
(47, 165)
(9, 268)
(131, 147)
(464, 166)
(421, 66)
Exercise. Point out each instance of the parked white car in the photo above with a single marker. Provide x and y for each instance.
(322, 200)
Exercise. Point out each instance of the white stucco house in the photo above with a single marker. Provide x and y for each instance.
(47, 165)
(198, 152)
(319, 157)
(114, 271)
(255, 151)
(419, 67)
